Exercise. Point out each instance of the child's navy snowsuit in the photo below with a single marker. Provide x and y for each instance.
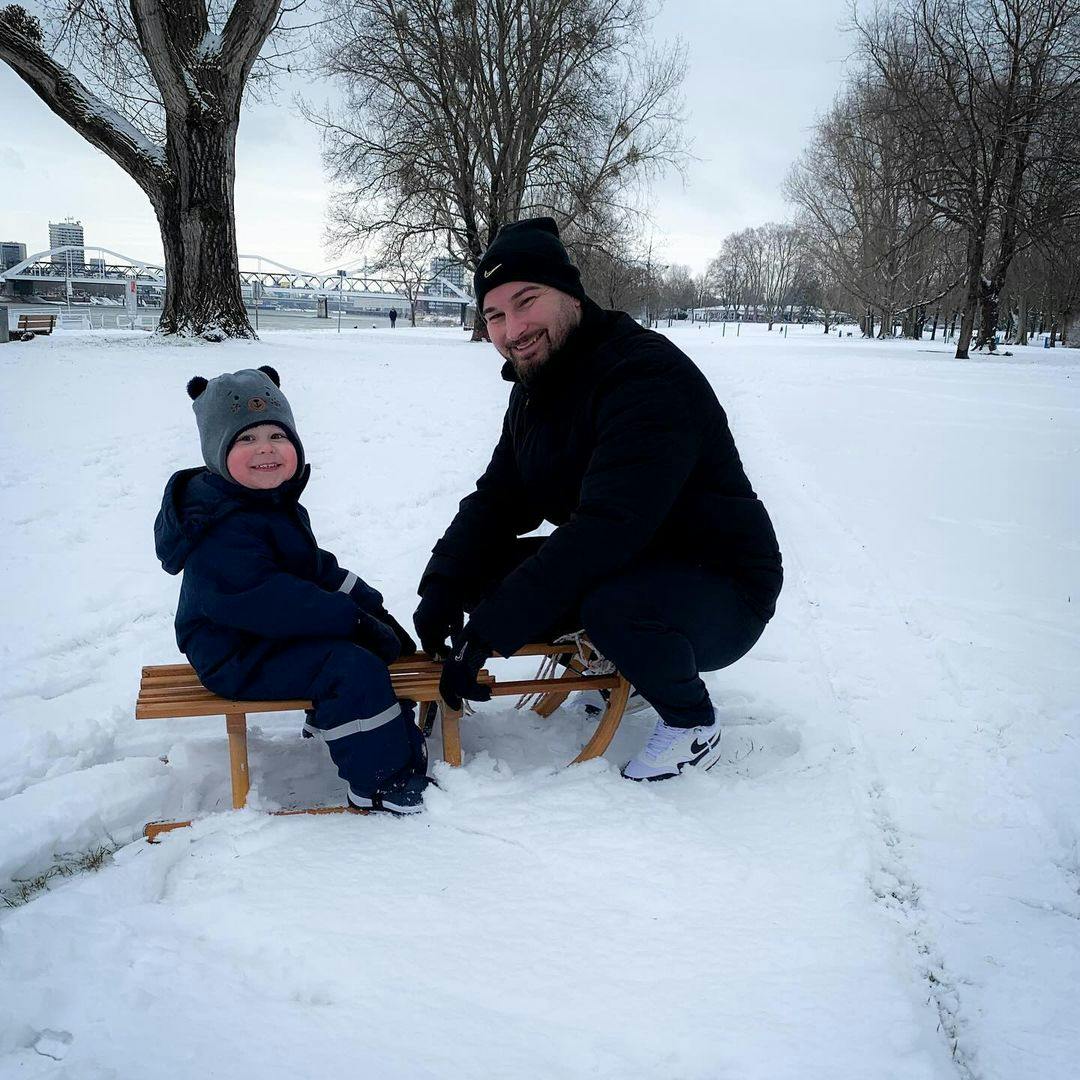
(264, 612)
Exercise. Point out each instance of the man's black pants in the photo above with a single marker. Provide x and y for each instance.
(660, 622)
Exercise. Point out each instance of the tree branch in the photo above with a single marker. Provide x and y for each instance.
(97, 122)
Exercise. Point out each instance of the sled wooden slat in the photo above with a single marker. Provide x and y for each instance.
(161, 674)
(197, 694)
(173, 691)
(163, 710)
(541, 648)
(535, 686)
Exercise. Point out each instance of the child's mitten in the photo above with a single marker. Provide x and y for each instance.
(375, 636)
(405, 641)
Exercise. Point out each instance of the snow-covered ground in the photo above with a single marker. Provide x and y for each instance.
(881, 880)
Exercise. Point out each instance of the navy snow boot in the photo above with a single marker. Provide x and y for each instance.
(404, 795)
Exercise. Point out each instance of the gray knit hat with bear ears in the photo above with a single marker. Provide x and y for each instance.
(230, 404)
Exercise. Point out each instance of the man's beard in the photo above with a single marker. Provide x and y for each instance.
(553, 341)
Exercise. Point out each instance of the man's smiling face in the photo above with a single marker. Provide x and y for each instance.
(529, 323)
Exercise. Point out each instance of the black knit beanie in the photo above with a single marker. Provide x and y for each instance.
(528, 250)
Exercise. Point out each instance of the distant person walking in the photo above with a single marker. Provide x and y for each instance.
(393, 318)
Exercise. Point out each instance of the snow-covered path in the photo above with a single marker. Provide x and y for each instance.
(881, 879)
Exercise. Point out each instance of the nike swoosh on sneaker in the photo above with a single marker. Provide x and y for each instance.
(700, 747)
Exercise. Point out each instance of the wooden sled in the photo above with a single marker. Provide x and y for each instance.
(171, 691)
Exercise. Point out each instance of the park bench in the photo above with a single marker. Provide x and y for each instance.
(172, 691)
(36, 324)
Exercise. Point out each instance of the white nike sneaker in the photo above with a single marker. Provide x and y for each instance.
(672, 749)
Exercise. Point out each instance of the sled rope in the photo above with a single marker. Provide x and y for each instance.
(587, 660)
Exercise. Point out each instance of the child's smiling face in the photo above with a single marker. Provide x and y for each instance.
(262, 457)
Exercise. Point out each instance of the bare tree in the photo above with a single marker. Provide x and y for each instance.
(463, 115)
(1060, 259)
(157, 86)
(865, 222)
(613, 278)
(979, 87)
(780, 248)
(409, 264)
(728, 272)
(703, 295)
(678, 291)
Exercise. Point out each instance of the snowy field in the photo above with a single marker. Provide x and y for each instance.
(881, 879)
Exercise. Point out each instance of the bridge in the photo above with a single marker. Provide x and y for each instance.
(261, 278)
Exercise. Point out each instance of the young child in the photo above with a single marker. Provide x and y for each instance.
(264, 612)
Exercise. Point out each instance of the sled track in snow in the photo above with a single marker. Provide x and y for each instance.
(893, 884)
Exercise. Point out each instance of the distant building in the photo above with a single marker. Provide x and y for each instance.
(11, 253)
(97, 266)
(68, 232)
(449, 269)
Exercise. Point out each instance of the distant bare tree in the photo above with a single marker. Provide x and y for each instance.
(463, 115)
(615, 279)
(409, 264)
(981, 87)
(703, 295)
(728, 272)
(780, 247)
(677, 291)
(1060, 258)
(157, 86)
(859, 186)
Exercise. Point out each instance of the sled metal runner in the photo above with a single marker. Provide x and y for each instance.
(171, 691)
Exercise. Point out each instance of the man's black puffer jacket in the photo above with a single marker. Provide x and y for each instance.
(253, 575)
(619, 441)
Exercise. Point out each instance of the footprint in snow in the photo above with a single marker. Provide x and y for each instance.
(53, 1044)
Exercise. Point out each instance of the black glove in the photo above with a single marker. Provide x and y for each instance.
(375, 636)
(405, 641)
(458, 679)
(441, 614)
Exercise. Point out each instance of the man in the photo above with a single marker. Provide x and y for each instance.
(661, 549)
(393, 317)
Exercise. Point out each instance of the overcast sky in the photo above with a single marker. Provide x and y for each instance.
(759, 73)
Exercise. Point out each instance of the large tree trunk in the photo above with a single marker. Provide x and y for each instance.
(989, 306)
(198, 233)
(1006, 248)
(200, 77)
(976, 248)
(479, 328)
